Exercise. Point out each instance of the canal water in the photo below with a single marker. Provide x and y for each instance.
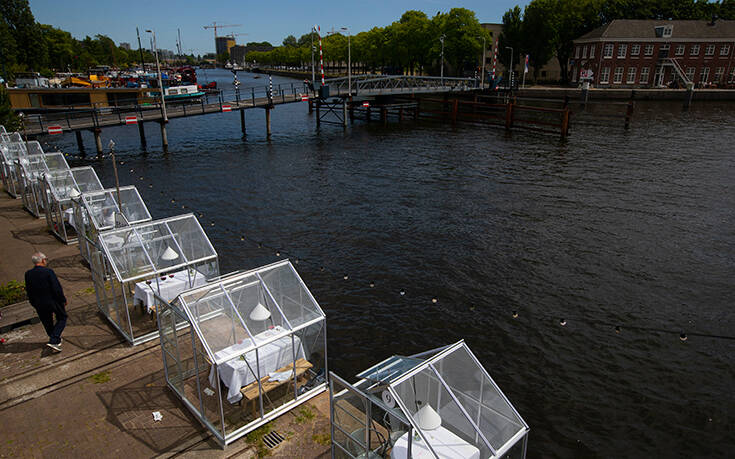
(610, 228)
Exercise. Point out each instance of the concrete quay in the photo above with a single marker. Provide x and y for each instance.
(96, 398)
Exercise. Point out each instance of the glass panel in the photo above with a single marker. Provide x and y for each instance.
(390, 369)
(495, 417)
(86, 179)
(127, 253)
(292, 297)
(455, 436)
(349, 416)
(210, 403)
(192, 239)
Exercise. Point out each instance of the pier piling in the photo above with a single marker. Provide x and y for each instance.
(344, 113)
(141, 131)
(164, 136)
(80, 142)
(628, 114)
(242, 122)
(98, 139)
(268, 121)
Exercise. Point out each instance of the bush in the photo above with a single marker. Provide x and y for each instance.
(12, 292)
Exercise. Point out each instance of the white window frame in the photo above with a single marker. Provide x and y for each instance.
(668, 30)
(631, 71)
(648, 50)
(704, 75)
(680, 50)
(635, 49)
(584, 52)
(732, 75)
(725, 50)
(694, 50)
(645, 74)
(605, 75)
(719, 73)
(608, 50)
(592, 50)
(622, 50)
(577, 51)
(709, 50)
(690, 73)
(618, 75)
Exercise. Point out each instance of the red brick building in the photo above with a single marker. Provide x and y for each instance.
(630, 53)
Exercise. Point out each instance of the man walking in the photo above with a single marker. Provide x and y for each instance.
(47, 297)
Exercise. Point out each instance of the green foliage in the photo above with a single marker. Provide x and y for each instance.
(305, 414)
(14, 291)
(101, 377)
(322, 439)
(12, 122)
(255, 438)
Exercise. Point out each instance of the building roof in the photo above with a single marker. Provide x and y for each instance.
(645, 29)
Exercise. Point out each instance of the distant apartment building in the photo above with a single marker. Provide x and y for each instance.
(237, 54)
(656, 53)
(223, 44)
(125, 45)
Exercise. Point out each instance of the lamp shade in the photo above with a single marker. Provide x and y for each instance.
(427, 418)
(260, 312)
(169, 254)
(74, 193)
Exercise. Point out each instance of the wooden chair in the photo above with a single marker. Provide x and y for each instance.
(250, 392)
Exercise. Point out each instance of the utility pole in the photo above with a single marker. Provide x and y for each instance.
(482, 73)
(510, 77)
(349, 61)
(313, 73)
(160, 82)
(140, 49)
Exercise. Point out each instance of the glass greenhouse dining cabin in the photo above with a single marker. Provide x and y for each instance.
(253, 347)
(11, 148)
(98, 211)
(441, 403)
(58, 188)
(29, 171)
(160, 257)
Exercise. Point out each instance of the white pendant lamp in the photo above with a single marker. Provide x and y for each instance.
(169, 254)
(74, 193)
(260, 312)
(427, 418)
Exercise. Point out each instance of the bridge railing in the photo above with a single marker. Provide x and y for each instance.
(373, 84)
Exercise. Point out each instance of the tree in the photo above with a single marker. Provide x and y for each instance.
(512, 35)
(8, 118)
(537, 38)
(463, 38)
(290, 41)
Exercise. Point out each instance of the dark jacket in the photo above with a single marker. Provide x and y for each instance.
(44, 290)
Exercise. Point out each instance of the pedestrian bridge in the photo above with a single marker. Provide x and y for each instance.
(374, 85)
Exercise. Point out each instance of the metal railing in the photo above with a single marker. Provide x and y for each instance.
(381, 84)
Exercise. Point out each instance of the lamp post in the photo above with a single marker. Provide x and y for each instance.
(349, 61)
(482, 72)
(510, 80)
(441, 39)
(160, 83)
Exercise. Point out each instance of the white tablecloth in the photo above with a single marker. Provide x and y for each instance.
(445, 443)
(69, 217)
(236, 374)
(169, 288)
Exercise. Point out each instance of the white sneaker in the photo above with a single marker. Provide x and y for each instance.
(55, 347)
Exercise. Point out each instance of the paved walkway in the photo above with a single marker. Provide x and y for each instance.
(96, 398)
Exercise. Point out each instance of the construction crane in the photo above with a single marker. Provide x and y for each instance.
(216, 26)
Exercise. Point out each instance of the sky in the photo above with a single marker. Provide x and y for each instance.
(260, 20)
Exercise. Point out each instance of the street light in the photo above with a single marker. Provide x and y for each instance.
(349, 61)
(160, 83)
(441, 39)
(510, 80)
(482, 73)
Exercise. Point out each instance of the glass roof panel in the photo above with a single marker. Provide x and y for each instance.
(80, 179)
(34, 148)
(289, 291)
(55, 161)
(156, 246)
(390, 369)
(102, 205)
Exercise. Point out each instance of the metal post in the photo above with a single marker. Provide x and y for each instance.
(268, 121)
(349, 60)
(442, 69)
(344, 112)
(114, 169)
(482, 73)
(80, 143)
(510, 79)
(160, 82)
(164, 136)
(141, 130)
(313, 73)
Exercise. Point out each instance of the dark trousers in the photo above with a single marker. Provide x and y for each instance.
(53, 330)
